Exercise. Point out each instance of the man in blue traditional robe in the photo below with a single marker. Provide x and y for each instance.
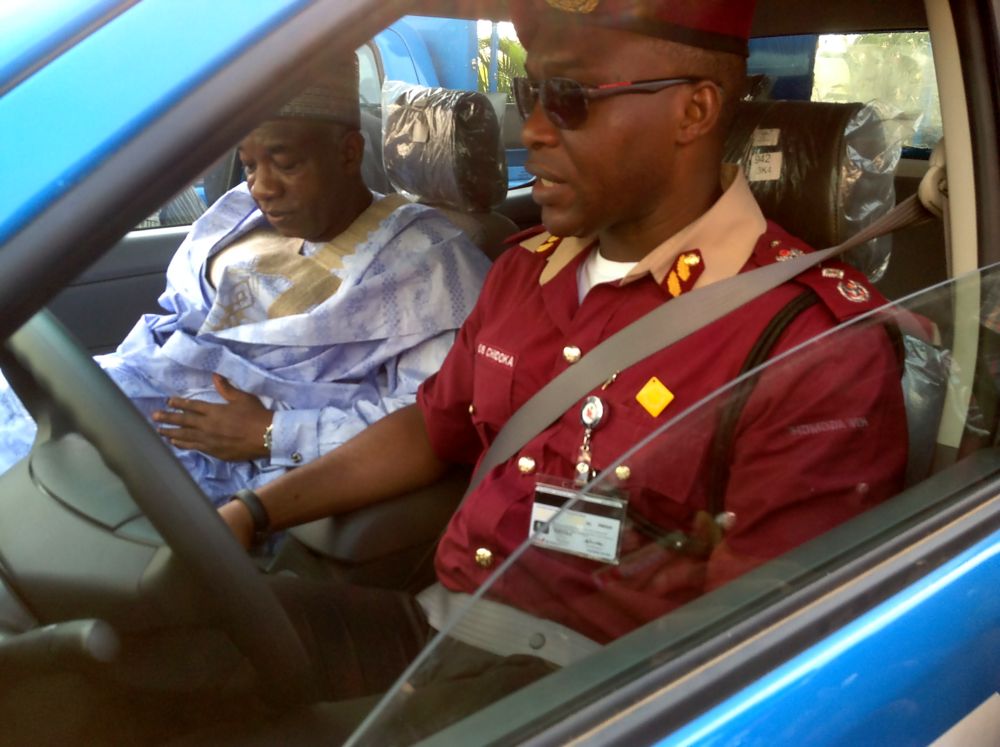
(301, 307)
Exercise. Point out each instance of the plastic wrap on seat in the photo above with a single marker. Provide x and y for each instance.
(443, 147)
(823, 171)
(925, 377)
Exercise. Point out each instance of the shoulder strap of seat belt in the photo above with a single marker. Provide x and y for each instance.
(662, 327)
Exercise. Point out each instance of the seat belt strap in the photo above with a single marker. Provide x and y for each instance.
(663, 326)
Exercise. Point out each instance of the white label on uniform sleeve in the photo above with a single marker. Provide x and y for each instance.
(765, 167)
(766, 138)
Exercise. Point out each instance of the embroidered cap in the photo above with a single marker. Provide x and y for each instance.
(333, 97)
(720, 25)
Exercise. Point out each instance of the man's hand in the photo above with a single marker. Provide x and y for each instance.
(233, 431)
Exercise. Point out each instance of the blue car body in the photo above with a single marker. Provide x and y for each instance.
(79, 107)
(902, 674)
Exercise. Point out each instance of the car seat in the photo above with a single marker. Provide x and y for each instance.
(824, 171)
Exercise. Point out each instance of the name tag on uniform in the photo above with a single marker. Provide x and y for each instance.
(591, 527)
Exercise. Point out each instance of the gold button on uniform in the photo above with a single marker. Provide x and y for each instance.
(526, 465)
(484, 558)
(622, 472)
(472, 409)
(571, 353)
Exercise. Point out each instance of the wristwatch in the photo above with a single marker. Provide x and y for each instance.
(261, 521)
(269, 437)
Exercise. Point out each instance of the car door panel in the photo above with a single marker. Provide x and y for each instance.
(103, 303)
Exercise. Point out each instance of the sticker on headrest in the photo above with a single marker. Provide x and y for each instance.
(766, 137)
(421, 133)
(765, 167)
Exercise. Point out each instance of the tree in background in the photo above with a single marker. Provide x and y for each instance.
(510, 64)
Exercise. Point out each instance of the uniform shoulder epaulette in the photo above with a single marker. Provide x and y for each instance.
(521, 236)
(843, 289)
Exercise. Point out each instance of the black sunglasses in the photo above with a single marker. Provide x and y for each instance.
(564, 100)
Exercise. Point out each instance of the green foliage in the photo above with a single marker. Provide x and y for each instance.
(510, 63)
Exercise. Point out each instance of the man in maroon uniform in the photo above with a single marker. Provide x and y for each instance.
(626, 112)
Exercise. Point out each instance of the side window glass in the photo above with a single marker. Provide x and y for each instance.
(654, 557)
(182, 209)
(894, 68)
(370, 84)
(501, 59)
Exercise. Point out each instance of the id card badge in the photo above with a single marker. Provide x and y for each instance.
(591, 527)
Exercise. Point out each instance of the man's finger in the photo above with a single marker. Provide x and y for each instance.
(175, 417)
(189, 405)
(227, 390)
(189, 435)
(223, 387)
(181, 444)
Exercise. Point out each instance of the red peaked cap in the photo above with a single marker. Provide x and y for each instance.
(720, 25)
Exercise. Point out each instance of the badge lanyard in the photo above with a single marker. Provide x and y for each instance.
(591, 416)
(593, 525)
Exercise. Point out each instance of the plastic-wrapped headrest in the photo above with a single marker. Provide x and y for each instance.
(443, 147)
(822, 171)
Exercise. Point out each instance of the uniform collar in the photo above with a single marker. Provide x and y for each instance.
(725, 235)
(563, 251)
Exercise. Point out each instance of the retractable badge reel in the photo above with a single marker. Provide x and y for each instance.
(587, 524)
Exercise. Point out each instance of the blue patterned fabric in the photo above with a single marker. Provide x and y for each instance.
(327, 373)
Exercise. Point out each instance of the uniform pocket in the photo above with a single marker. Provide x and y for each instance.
(664, 478)
(492, 387)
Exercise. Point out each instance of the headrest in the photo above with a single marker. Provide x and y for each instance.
(821, 171)
(443, 147)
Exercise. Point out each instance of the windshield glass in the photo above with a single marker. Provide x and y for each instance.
(797, 461)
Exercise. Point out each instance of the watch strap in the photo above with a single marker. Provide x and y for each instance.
(261, 521)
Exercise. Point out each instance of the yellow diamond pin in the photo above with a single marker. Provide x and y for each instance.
(654, 397)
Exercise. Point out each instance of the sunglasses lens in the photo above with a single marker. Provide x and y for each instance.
(525, 96)
(565, 102)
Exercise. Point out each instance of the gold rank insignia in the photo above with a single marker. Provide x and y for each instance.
(654, 396)
(574, 6)
(550, 243)
(685, 273)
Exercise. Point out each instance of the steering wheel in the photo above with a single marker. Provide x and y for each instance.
(74, 390)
